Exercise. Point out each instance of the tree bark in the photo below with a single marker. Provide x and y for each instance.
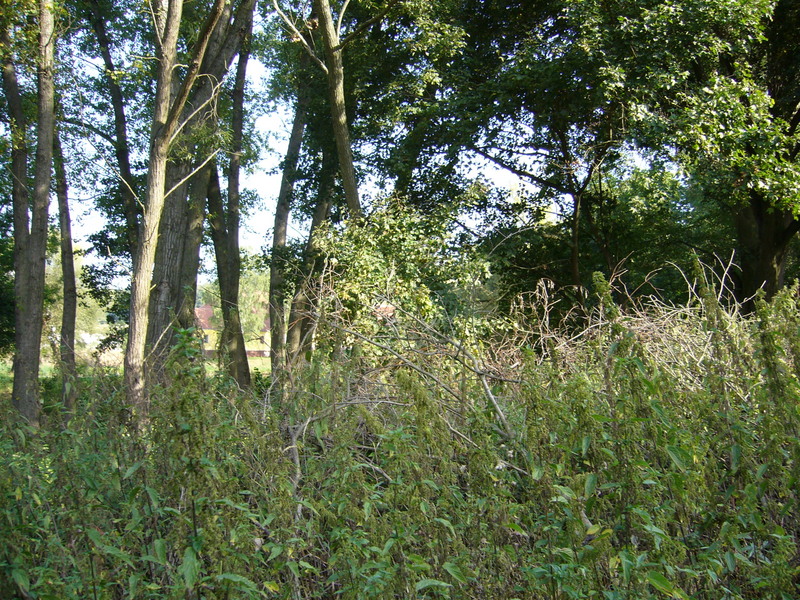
(166, 115)
(341, 132)
(233, 352)
(30, 244)
(301, 322)
(177, 257)
(191, 249)
(169, 278)
(69, 373)
(232, 336)
(763, 236)
(277, 270)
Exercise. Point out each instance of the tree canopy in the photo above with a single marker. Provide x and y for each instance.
(641, 134)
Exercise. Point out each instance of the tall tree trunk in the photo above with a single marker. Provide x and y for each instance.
(234, 353)
(277, 270)
(127, 186)
(763, 236)
(30, 244)
(575, 239)
(168, 275)
(301, 321)
(232, 336)
(341, 132)
(191, 249)
(166, 116)
(177, 256)
(69, 373)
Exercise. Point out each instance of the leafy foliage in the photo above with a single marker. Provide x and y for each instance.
(654, 454)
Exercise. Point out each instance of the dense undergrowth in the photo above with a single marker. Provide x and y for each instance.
(647, 454)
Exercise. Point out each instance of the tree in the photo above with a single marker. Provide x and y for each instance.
(201, 140)
(127, 186)
(719, 84)
(167, 111)
(278, 275)
(225, 221)
(30, 222)
(322, 18)
(69, 373)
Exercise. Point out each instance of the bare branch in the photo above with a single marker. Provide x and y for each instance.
(520, 172)
(299, 37)
(360, 29)
(341, 16)
(194, 171)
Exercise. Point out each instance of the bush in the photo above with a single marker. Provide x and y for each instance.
(652, 454)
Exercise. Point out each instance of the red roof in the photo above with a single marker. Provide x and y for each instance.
(203, 315)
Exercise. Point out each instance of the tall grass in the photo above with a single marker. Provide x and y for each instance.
(650, 453)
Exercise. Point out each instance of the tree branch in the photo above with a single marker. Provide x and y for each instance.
(299, 37)
(194, 67)
(520, 172)
(94, 129)
(360, 29)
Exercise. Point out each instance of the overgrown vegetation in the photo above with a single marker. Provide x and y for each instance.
(651, 453)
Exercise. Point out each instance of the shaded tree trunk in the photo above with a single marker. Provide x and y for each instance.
(169, 276)
(30, 237)
(232, 336)
(277, 271)
(233, 351)
(69, 374)
(301, 320)
(763, 236)
(191, 249)
(127, 185)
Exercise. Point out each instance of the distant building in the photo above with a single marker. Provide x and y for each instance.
(210, 333)
(211, 328)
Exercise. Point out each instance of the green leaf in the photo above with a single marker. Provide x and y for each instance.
(294, 568)
(680, 457)
(190, 568)
(427, 583)
(160, 546)
(276, 550)
(455, 571)
(447, 524)
(661, 583)
(516, 528)
(243, 582)
(736, 457)
(566, 492)
(133, 585)
(20, 577)
(96, 537)
(132, 469)
(590, 485)
(730, 561)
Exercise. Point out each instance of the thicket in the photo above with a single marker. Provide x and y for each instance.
(645, 453)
